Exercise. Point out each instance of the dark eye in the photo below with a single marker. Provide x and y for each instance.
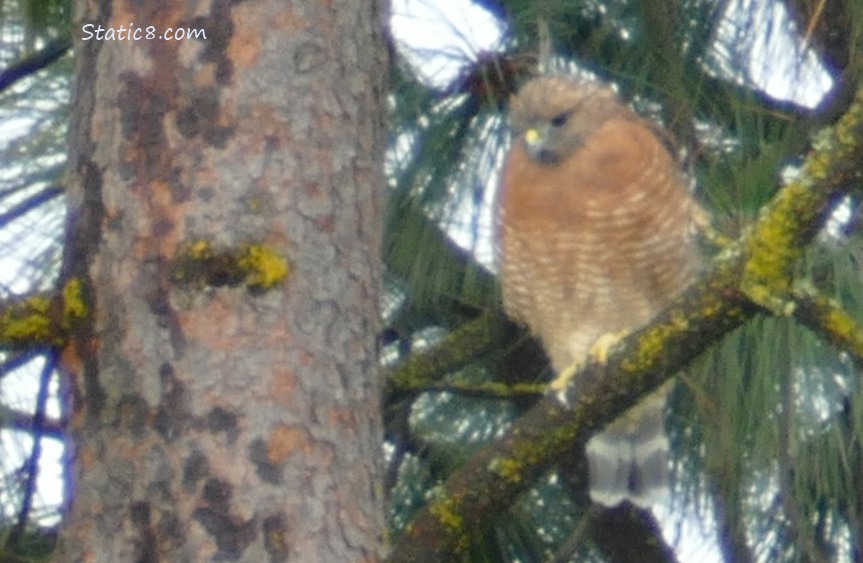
(560, 119)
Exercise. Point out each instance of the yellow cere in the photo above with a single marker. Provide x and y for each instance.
(531, 136)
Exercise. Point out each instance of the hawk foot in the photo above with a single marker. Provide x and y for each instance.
(599, 353)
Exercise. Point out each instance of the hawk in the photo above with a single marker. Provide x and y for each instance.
(595, 237)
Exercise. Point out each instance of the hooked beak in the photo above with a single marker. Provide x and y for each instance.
(535, 145)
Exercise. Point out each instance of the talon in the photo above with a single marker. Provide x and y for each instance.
(599, 353)
(561, 382)
(601, 349)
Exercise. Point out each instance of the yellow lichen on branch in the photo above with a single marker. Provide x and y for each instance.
(42, 319)
(264, 268)
(777, 240)
(74, 305)
(256, 266)
(27, 322)
(827, 318)
(447, 510)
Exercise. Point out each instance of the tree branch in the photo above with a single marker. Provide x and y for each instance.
(41, 319)
(34, 62)
(448, 355)
(32, 202)
(24, 422)
(423, 371)
(826, 317)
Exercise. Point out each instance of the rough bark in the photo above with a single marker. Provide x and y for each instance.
(226, 421)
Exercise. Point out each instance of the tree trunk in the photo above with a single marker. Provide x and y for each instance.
(222, 410)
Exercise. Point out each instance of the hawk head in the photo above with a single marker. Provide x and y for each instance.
(553, 115)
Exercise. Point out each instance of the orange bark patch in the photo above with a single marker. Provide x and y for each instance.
(290, 22)
(121, 14)
(342, 417)
(213, 325)
(124, 13)
(205, 76)
(88, 457)
(245, 46)
(284, 441)
(70, 361)
(282, 387)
